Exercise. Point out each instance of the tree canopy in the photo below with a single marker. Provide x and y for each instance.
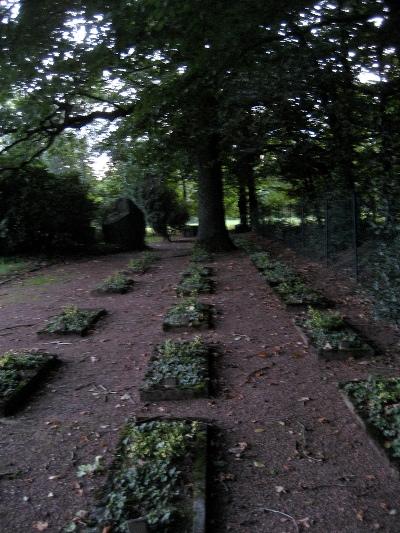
(212, 90)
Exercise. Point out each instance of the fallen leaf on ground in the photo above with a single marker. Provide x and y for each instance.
(259, 464)
(40, 526)
(280, 490)
(259, 430)
(304, 399)
(305, 522)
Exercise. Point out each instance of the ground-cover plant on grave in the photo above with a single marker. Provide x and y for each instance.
(73, 320)
(277, 273)
(194, 284)
(199, 270)
(246, 244)
(116, 283)
(377, 401)
(153, 477)
(20, 372)
(200, 255)
(142, 264)
(261, 260)
(188, 313)
(329, 332)
(294, 291)
(177, 370)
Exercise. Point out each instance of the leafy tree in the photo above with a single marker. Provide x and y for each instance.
(40, 211)
(160, 204)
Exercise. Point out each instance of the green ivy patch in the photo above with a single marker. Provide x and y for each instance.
(188, 313)
(153, 477)
(246, 244)
(197, 270)
(17, 371)
(116, 283)
(200, 255)
(261, 260)
(328, 332)
(73, 320)
(377, 401)
(177, 369)
(194, 284)
(142, 264)
(294, 291)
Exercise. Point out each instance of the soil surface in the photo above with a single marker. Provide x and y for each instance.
(286, 453)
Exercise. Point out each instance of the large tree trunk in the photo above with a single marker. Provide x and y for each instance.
(242, 204)
(253, 201)
(212, 234)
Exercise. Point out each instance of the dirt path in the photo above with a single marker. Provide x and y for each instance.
(303, 454)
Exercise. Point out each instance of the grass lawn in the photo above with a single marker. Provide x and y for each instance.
(11, 265)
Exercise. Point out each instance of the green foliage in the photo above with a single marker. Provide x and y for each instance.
(378, 401)
(326, 320)
(14, 367)
(161, 205)
(10, 265)
(329, 331)
(41, 212)
(196, 283)
(143, 263)
(91, 468)
(200, 255)
(116, 283)
(71, 320)
(295, 292)
(149, 478)
(189, 312)
(261, 260)
(198, 270)
(277, 273)
(246, 244)
(183, 361)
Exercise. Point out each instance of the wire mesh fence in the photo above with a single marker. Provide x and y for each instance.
(337, 231)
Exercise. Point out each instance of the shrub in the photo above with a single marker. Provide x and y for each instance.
(161, 205)
(41, 212)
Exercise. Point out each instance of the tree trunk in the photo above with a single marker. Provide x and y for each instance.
(213, 234)
(253, 201)
(242, 203)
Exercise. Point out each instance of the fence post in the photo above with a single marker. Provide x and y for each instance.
(326, 233)
(354, 205)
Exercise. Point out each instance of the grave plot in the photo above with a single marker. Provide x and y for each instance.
(200, 255)
(158, 480)
(20, 374)
(274, 272)
(375, 403)
(246, 244)
(72, 321)
(189, 313)
(117, 283)
(199, 270)
(142, 264)
(295, 293)
(177, 371)
(287, 283)
(195, 283)
(331, 336)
